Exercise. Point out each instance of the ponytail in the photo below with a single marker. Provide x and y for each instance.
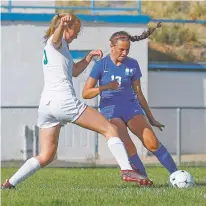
(145, 34)
(53, 25)
(122, 35)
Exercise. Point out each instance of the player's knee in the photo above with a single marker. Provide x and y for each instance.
(45, 159)
(153, 145)
(111, 131)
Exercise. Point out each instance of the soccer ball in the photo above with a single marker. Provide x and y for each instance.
(181, 179)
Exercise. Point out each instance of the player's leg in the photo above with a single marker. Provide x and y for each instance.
(140, 126)
(93, 120)
(134, 159)
(124, 136)
(48, 147)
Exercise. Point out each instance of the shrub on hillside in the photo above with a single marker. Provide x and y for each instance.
(174, 35)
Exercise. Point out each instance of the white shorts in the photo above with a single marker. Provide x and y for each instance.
(59, 111)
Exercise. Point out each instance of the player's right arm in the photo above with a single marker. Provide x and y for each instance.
(90, 90)
(58, 33)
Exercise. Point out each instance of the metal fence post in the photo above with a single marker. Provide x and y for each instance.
(35, 140)
(92, 5)
(9, 5)
(28, 143)
(178, 136)
(139, 9)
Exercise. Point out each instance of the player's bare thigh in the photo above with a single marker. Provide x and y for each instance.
(124, 136)
(93, 120)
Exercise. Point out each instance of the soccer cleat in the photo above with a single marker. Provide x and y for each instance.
(136, 170)
(7, 185)
(132, 176)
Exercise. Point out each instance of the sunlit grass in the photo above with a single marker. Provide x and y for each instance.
(62, 186)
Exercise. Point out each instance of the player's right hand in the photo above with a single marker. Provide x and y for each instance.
(66, 20)
(113, 85)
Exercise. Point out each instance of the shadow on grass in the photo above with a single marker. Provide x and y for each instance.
(154, 186)
(200, 184)
(134, 185)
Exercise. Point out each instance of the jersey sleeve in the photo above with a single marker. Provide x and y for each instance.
(137, 74)
(49, 42)
(97, 70)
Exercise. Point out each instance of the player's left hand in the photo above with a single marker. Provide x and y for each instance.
(157, 124)
(95, 53)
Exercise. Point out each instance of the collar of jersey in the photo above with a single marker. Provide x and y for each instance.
(122, 65)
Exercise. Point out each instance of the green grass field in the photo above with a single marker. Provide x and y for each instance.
(64, 186)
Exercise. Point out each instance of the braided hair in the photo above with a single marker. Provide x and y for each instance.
(123, 35)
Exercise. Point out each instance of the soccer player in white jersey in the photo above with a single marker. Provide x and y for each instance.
(59, 105)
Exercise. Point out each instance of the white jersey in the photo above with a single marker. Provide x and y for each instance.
(58, 104)
(57, 69)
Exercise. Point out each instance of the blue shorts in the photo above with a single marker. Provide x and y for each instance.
(124, 110)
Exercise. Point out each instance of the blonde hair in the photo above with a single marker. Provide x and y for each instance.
(75, 24)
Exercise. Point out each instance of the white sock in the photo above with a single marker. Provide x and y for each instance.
(118, 150)
(27, 169)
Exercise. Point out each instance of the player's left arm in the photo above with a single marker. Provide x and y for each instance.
(80, 66)
(136, 85)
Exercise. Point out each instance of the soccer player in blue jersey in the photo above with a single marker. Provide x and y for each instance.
(122, 100)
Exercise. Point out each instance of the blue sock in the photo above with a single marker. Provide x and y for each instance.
(137, 164)
(165, 159)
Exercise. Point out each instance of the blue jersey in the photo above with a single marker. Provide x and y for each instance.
(106, 71)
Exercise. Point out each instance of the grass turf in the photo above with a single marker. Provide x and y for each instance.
(65, 186)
